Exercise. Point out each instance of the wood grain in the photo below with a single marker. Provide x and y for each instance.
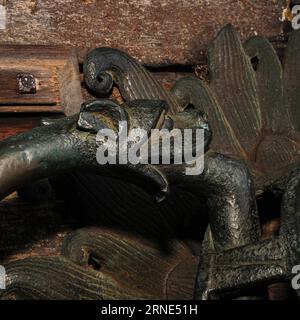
(154, 31)
(45, 94)
(56, 74)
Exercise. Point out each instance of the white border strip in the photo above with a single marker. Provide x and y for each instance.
(2, 17)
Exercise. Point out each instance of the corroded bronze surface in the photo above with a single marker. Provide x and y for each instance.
(233, 271)
(251, 101)
(250, 111)
(101, 264)
(69, 144)
(105, 66)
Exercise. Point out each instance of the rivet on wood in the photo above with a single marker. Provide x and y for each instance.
(26, 83)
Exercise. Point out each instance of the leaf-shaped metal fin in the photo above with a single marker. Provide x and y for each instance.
(57, 278)
(98, 264)
(233, 81)
(275, 149)
(275, 116)
(136, 260)
(192, 91)
(103, 66)
(275, 152)
(291, 76)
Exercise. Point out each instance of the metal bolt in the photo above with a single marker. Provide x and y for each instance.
(26, 83)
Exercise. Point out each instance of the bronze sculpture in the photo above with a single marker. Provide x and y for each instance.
(74, 147)
(243, 127)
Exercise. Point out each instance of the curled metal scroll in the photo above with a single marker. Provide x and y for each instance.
(249, 108)
(105, 66)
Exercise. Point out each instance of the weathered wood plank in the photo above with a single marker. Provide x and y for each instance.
(56, 76)
(156, 32)
(11, 125)
(44, 95)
